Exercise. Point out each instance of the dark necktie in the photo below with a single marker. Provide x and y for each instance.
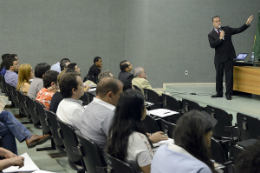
(218, 32)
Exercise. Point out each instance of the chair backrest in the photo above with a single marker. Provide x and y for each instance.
(14, 92)
(91, 154)
(150, 124)
(188, 105)
(224, 119)
(53, 124)
(248, 126)
(42, 117)
(23, 103)
(170, 102)
(168, 128)
(217, 152)
(118, 166)
(11, 95)
(153, 97)
(32, 111)
(137, 88)
(70, 141)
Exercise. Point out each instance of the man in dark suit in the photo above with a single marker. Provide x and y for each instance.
(220, 40)
(94, 70)
(125, 76)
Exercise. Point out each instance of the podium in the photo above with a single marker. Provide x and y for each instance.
(246, 79)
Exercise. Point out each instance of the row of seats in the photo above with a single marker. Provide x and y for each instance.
(227, 141)
(83, 154)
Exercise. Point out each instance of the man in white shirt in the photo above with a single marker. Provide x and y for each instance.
(70, 109)
(57, 67)
(98, 115)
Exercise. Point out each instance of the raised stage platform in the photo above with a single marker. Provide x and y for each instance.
(248, 104)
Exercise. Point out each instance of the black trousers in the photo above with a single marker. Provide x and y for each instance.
(226, 67)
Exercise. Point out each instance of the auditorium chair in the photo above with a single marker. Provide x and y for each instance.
(188, 105)
(137, 88)
(222, 129)
(168, 128)
(33, 114)
(70, 141)
(92, 156)
(87, 98)
(220, 156)
(54, 127)
(23, 104)
(150, 124)
(171, 103)
(117, 166)
(152, 96)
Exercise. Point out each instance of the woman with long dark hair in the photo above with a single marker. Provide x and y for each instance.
(191, 151)
(128, 140)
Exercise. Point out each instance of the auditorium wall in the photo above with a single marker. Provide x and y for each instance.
(166, 37)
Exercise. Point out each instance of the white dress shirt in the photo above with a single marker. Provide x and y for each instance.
(70, 111)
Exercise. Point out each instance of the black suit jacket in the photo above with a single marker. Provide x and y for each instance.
(224, 49)
(126, 78)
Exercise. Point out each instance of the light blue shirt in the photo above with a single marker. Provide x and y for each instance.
(174, 159)
(11, 78)
(56, 67)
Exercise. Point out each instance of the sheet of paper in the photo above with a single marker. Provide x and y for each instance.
(162, 112)
(92, 89)
(41, 171)
(170, 140)
(29, 165)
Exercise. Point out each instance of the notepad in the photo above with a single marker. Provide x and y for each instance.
(29, 165)
(2, 105)
(169, 141)
(162, 112)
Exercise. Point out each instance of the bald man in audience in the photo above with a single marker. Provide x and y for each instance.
(140, 80)
(98, 115)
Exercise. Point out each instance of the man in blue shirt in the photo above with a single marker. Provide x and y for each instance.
(11, 66)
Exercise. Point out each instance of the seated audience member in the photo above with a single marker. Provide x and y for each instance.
(191, 151)
(37, 83)
(249, 161)
(50, 87)
(128, 140)
(56, 66)
(64, 64)
(125, 76)
(70, 109)
(25, 73)
(140, 80)
(98, 114)
(4, 57)
(73, 66)
(11, 66)
(101, 75)
(57, 97)
(11, 128)
(94, 70)
(11, 159)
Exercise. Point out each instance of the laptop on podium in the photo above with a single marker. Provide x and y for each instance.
(241, 57)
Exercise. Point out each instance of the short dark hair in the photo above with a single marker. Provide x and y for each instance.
(67, 59)
(72, 65)
(96, 59)
(49, 77)
(67, 82)
(9, 61)
(40, 69)
(192, 138)
(70, 70)
(4, 56)
(63, 64)
(123, 65)
(249, 160)
(106, 85)
(217, 16)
